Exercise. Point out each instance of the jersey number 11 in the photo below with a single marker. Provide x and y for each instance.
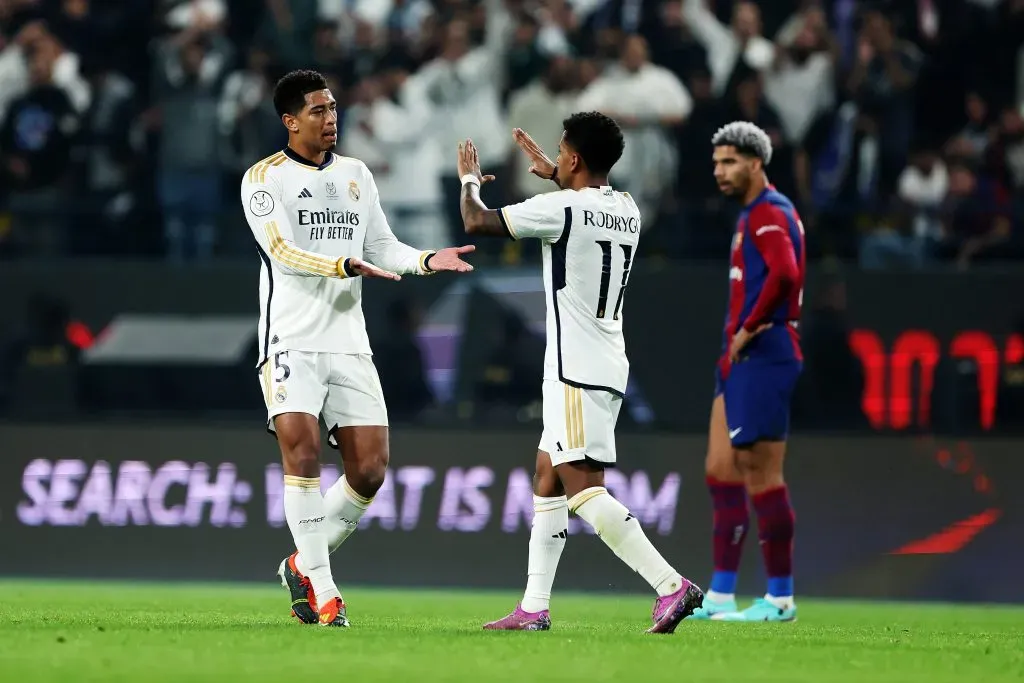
(606, 277)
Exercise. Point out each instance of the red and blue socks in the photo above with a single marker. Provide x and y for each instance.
(731, 522)
(775, 522)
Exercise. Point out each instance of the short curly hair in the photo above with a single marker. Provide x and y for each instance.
(747, 138)
(290, 92)
(597, 139)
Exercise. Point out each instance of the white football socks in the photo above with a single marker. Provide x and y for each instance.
(304, 510)
(344, 509)
(621, 532)
(547, 540)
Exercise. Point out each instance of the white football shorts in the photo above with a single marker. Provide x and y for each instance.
(342, 387)
(579, 424)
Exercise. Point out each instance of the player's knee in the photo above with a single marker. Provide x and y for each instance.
(747, 461)
(720, 464)
(545, 480)
(759, 473)
(368, 476)
(301, 459)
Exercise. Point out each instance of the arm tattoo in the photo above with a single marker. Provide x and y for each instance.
(477, 218)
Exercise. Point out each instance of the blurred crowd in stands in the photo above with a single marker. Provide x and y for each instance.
(898, 125)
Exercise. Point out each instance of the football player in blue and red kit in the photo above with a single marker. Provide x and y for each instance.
(755, 379)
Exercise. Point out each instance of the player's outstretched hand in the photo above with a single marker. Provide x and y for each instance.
(449, 259)
(540, 164)
(364, 269)
(469, 162)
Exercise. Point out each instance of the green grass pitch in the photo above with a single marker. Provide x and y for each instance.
(72, 632)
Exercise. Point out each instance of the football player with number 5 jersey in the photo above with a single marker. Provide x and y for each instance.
(754, 382)
(319, 231)
(589, 234)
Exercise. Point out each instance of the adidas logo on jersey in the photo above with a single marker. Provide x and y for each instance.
(305, 194)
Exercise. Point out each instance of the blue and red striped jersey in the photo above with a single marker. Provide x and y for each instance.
(766, 278)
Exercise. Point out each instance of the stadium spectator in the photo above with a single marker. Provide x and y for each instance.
(975, 214)
(390, 129)
(190, 70)
(923, 186)
(16, 61)
(288, 25)
(110, 147)
(246, 113)
(35, 148)
(648, 101)
(525, 61)
(465, 84)
(799, 83)
(702, 232)
(1008, 150)
(974, 138)
(540, 108)
(881, 84)
(673, 44)
(750, 104)
(729, 47)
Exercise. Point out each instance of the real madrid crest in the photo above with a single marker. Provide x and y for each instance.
(353, 190)
(281, 395)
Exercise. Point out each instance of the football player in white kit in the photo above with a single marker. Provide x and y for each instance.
(319, 231)
(589, 234)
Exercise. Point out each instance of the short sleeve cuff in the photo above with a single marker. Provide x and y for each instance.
(506, 221)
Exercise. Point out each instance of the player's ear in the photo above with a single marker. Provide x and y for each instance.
(290, 122)
(576, 162)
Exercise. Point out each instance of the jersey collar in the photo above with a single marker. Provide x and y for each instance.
(767, 188)
(299, 159)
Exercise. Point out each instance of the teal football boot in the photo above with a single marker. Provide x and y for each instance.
(709, 609)
(761, 610)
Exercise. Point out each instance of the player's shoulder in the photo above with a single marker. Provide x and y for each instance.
(265, 168)
(629, 201)
(348, 164)
(772, 207)
(555, 199)
(780, 201)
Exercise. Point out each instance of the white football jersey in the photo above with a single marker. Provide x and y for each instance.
(589, 240)
(305, 219)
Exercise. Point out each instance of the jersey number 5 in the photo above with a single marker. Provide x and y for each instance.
(606, 277)
(281, 369)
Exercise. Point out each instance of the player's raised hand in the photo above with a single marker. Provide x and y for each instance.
(450, 259)
(469, 162)
(540, 165)
(364, 269)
